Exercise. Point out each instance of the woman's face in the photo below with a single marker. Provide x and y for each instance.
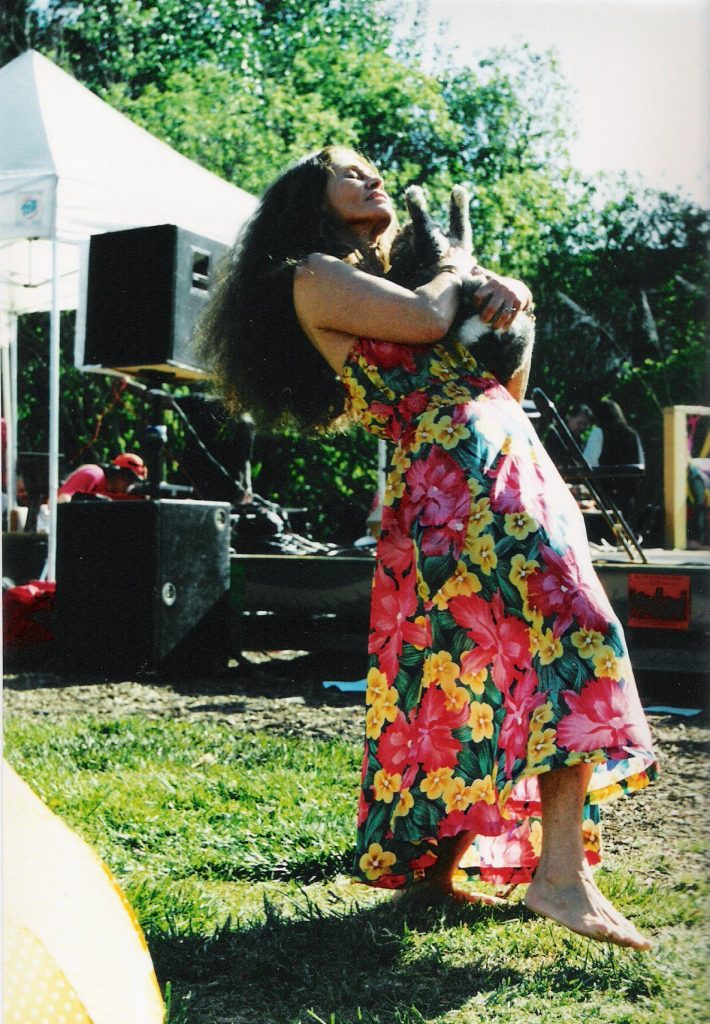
(355, 195)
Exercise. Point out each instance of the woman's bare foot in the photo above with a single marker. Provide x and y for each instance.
(578, 904)
(433, 894)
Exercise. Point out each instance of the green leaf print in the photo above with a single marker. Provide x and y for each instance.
(376, 824)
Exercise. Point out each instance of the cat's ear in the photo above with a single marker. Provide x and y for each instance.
(460, 233)
(429, 242)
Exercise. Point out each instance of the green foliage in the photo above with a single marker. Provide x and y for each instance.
(98, 417)
(335, 479)
(245, 87)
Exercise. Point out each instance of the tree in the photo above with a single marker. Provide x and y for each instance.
(247, 86)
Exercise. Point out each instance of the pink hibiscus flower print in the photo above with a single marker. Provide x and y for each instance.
(386, 354)
(385, 415)
(519, 703)
(600, 716)
(391, 605)
(560, 591)
(437, 495)
(482, 818)
(501, 640)
(397, 747)
(396, 548)
(517, 486)
(436, 746)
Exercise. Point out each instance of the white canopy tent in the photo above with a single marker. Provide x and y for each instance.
(72, 166)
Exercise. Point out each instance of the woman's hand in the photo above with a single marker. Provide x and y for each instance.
(500, 300)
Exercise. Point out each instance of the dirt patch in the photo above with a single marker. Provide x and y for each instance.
(285, 695)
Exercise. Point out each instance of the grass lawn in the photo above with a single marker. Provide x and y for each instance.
(234, 851)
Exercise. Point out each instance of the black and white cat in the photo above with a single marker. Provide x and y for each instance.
(416, 250)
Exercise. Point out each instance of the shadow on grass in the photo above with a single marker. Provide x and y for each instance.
(381, 965)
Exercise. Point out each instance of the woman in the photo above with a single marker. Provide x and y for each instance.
(613, 442)
(500, 689)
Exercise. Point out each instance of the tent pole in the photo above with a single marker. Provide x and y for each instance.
(9, 415)
(54, 352)
(12, 444)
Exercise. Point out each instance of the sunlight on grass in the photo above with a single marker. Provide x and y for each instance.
(234, 851)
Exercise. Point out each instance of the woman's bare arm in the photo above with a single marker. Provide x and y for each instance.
(330, 295)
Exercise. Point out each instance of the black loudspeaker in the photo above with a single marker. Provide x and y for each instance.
(143, 586)
(145, 291)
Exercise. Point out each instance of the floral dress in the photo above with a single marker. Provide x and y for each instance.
(494, 652)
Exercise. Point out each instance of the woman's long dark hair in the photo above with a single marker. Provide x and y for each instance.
(621, 444)
(250, 336)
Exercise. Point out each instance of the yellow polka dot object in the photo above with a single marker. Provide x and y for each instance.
(73, 952)
(34, 986)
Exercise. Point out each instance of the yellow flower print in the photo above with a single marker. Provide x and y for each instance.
(479, 518)
(460, 583)
(550, 648)
(388, 704)
(475, 680)
(483, 789)
(585, 757)
(541, 715)
(457, 795)
(481, 721)
(533, 616)
(463, 582)
(440, 668)
(606, 664)
(435, 782)
(376, 862)
(541, 745)
(531, 772)
(520, 569)
(474, 487)
(636, 782)
(440, 370)
(536, 837)
(605, 793)
(420, 621)
(423, 590)
(406, 802)
(377, 686)
(400, 460)
(503, 800)
(385, 785)
(456, 696)
(591, 835)
(519, 525)
(357, 401)
(535, 640)
(482, 552)
(425, 429)
(374, 721)
(455, 393)
(448, 434)
(394, 488)
(588, 642)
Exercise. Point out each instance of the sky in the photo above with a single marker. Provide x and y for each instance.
(639, 71)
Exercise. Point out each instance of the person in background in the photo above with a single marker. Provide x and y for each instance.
(116, 481)
(613, 442)
(578, 420)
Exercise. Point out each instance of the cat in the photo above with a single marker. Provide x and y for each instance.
(415, 252)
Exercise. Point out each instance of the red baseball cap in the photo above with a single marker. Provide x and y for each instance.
(129, 460)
